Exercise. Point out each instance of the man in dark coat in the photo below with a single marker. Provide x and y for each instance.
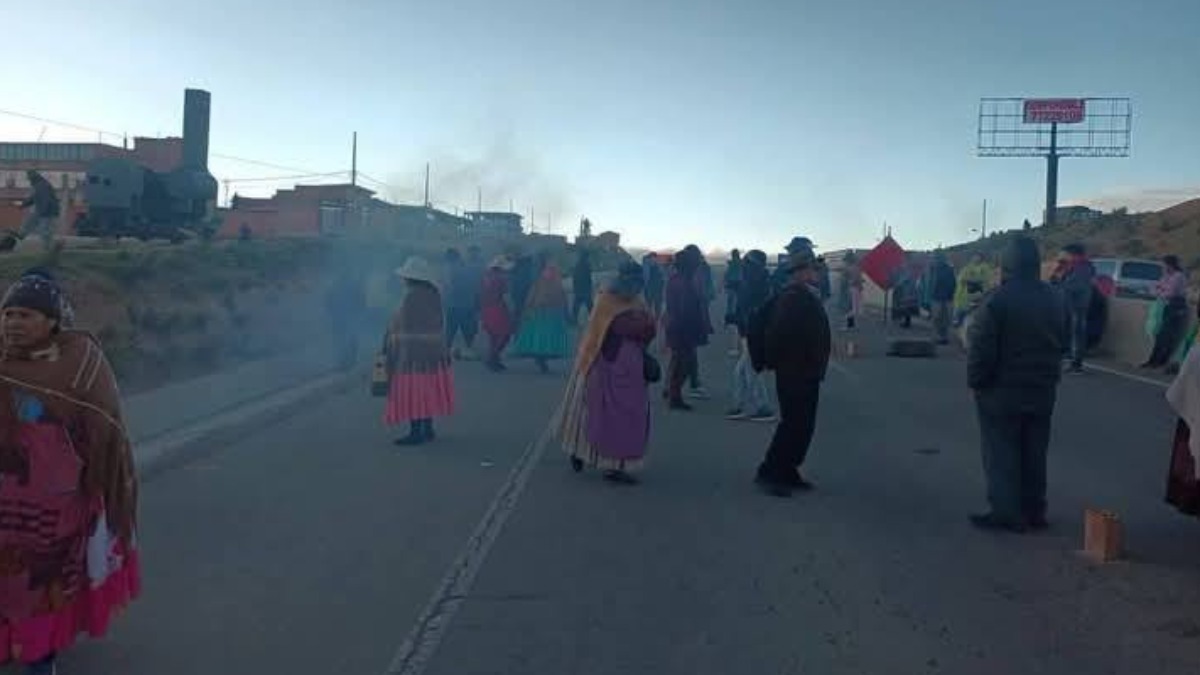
(521, 282)
(1077, 281)
(1013, 366)
(797, 345)
(582, 286)
(942, 285)
(687, 325)
(346, 307)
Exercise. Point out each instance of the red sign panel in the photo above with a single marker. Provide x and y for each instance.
(882, 262)
(1054, 110)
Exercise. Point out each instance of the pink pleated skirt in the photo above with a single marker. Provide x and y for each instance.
(418, 396)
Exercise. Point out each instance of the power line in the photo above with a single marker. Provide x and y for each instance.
(103, 132)
(268, 179)
(69, 125)
(265, 165)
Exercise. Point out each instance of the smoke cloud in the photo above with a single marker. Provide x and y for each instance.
(501, 172)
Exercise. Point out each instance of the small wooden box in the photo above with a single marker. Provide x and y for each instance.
(1102, 536)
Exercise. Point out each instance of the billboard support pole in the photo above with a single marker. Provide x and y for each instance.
(1052, 178)
(1017, 127)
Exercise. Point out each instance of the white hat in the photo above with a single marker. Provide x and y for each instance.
(418, 269)
(501, 262)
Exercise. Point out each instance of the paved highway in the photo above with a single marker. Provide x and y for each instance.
(314, 546)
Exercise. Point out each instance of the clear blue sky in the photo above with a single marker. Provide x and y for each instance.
(724, 123)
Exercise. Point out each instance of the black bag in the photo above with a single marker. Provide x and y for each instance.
(756, 334)
(651, 369)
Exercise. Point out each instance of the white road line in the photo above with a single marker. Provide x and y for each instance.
(1128, 376)
(414, 655)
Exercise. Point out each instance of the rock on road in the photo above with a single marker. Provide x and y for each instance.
(312, 546)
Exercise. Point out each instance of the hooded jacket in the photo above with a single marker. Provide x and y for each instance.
(753, 293)
(1077, 283)
(1018, 338)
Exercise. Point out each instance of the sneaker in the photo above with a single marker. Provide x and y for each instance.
(763, 416)
(699, 393)
(680, 406)
(735, 415)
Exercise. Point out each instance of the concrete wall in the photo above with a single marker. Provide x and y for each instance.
(1125, 340)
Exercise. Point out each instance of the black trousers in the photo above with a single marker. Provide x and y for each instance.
(1015, 442)
(1174, 323)
(583, 302)
(799, 399)
(684, 362)
(463, 320)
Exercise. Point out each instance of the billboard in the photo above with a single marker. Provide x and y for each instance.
(1021, 127)
(1054, 110)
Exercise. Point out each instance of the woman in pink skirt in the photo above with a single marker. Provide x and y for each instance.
(418, 361)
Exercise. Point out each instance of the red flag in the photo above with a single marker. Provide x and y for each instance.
(882, 262)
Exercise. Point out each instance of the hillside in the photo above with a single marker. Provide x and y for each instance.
(1175, 230)
(168, 313)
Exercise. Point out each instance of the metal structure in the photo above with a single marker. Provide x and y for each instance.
(126, 199)
(1054, 128)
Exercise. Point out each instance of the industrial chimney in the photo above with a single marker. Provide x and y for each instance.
(196, 104)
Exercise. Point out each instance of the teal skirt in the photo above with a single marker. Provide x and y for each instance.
(543, 334)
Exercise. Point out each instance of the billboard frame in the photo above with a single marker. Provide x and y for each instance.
(1102, 127)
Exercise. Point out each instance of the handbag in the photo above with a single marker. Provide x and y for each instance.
(651, 369)
(379, 376)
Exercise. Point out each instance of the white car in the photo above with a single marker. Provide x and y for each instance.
(1131, 278)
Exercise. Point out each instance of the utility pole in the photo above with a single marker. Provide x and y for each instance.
(479, 202)
(983, 227)
(354, 159)
(510, 206)
(226, 193)
(426, 184)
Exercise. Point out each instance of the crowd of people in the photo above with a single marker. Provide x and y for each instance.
(1022, 333)
(778, 320)
(69, 495)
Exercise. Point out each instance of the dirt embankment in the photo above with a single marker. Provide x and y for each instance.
(167, 313)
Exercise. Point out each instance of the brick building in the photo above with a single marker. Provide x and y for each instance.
(329, 210)
(499, 223)
(301, 211)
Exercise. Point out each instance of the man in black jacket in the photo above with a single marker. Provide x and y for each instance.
(797, 344)
(1015, 349)
(942, 285)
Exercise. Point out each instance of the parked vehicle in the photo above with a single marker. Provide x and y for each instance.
(1131, 278)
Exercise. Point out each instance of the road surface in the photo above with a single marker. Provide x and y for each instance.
(315, 545)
